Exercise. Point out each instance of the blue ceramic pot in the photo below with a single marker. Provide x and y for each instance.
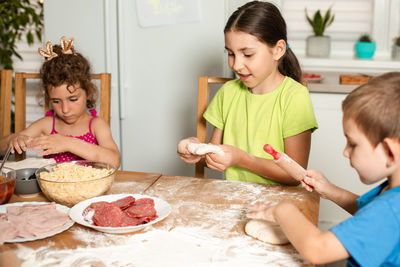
(365, 49)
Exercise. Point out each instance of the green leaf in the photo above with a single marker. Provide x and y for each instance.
(319, 23)
(30, 38)
(318, 26)
(308, 18)
(18, 18)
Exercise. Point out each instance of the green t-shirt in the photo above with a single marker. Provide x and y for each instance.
(250, 121)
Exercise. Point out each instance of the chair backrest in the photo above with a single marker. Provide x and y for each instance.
(202, 102)
(6, 77)
(20, 98)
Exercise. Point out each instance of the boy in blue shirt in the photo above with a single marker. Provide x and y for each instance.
(371, 124)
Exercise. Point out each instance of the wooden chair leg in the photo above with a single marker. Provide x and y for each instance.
(20, 107)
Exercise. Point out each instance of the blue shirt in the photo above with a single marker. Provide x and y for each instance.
(372, 235)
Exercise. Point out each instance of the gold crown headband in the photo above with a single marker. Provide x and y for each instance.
(66, 48)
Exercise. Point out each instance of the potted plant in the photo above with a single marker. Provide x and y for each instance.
(319, 45)
(18, 18)
(365, 47)
(396, 48)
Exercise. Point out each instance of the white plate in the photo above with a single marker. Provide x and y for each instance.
(62, 208)
(162, 207)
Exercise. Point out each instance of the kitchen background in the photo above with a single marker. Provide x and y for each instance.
(156, 50)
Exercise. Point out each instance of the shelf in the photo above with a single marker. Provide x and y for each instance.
(348, 65)
(330, 84)
(331, 88)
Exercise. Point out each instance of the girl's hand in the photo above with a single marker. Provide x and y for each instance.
(20, 143)
(262, 211)
(319, 182)
(232, 156)
(184, 153)
(50, 144)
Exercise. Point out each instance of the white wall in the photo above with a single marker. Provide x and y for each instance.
(160, 67)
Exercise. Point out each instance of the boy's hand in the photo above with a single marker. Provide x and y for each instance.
(262, 211)
(20, 143)
(319, 182)
(184, 153)
(232, 156)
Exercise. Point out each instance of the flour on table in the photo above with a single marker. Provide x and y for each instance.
(181, 246)
(202, 149)
(266, 231)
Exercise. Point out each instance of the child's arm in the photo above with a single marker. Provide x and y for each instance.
(315, 246)
(106, 150)
(20, 141)
(297, 147)
(343, 198)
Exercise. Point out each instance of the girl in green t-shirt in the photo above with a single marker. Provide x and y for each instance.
(267, 104)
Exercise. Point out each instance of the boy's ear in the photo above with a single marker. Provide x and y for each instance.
(392, 150)
(279, 49)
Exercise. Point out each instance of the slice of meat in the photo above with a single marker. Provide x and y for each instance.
(45, 221)
(92, 207)
(144, 210)
(130, 221)
(20, 223)
(3, 217)
(125, 202)
(29, 208)
(107, 215)
(145, 200)
(7, 231)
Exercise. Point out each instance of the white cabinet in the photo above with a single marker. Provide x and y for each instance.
(326, 154)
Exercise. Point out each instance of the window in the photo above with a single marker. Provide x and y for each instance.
(352, 18)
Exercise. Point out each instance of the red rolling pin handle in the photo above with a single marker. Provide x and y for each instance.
(287, 163)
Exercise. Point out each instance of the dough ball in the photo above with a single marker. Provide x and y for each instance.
(202, 149)
(266, 231)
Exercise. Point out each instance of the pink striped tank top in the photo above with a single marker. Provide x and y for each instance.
(88, 137)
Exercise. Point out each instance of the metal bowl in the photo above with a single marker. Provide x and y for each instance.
(26, 181)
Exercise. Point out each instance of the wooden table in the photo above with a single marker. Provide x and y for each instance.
(205, 228)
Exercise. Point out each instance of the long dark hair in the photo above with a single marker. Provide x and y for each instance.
(264, 21)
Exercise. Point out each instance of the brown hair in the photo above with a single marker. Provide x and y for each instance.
(70, 69)
(264, 21)
(375, 107)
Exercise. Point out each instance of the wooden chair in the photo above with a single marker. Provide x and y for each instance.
(20, 98)
(202, 102)
(5, 101)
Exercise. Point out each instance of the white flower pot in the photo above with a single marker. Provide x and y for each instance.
(318, 46)
(396, 52)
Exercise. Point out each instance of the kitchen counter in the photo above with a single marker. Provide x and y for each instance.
(330, 84)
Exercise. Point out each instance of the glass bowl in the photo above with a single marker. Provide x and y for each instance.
(7, 184)
(69, 183)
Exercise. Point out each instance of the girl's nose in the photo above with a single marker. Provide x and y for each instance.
(237, 64)
(65, 108)
(346, 152)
